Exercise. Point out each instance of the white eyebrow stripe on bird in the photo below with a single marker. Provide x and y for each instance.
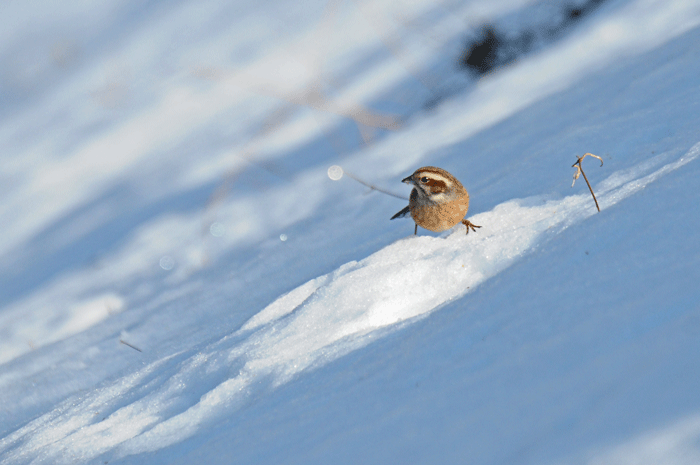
(434, 175)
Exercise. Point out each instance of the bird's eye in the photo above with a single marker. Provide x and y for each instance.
(424, 179)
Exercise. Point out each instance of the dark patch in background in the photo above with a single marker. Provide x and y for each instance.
(493, 48)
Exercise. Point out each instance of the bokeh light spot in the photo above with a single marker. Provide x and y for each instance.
(335, 172)
(217, 229)
(167, 262)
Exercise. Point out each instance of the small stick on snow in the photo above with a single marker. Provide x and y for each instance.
(336, 172)
(127, 344)
(579, 171)
(373, 187)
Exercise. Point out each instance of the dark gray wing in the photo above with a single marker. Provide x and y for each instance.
(402, 213)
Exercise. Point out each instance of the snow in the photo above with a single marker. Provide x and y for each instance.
(190, 272)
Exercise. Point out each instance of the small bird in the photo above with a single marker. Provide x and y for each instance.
(438, 201)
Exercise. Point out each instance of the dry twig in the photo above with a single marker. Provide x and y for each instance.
(373, 187)
(127, 344)
(579, 171)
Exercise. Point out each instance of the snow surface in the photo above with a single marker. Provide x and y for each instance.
(183, 278)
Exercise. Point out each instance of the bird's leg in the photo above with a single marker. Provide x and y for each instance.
(415, 231)
(469, 224)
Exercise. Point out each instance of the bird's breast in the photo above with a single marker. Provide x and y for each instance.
(441, 216)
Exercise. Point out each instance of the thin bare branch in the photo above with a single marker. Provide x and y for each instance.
(129, 345)
(373, 187)
(579, 171)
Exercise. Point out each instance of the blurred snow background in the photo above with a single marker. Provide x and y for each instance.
(164, 184)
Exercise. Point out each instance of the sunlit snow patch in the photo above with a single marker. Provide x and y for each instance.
(318, 322)
(676, 444)
(74, 318)
(331, 315)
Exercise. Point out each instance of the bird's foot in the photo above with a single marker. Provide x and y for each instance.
(469, 224)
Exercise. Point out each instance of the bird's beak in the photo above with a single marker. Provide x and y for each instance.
(408, 180)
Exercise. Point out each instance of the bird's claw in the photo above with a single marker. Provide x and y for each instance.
(469, 224)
